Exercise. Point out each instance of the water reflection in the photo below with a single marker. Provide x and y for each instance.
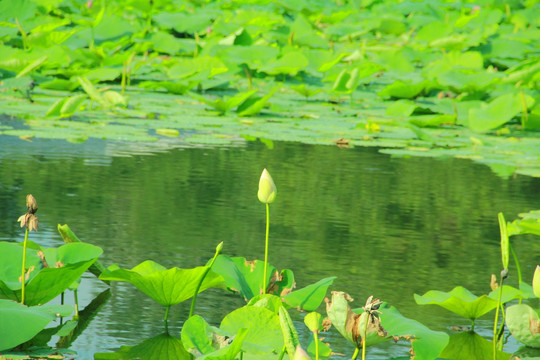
(386, 227)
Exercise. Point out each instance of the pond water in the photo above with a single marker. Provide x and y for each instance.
(385, 226)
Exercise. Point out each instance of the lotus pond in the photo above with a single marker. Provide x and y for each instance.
(367, 218)
(142, 128)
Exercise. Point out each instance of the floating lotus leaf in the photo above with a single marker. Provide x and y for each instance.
(524, 324)
(47, 277)
(469, 345)
(161, 347)
(463, 302)
(27, 321)
(166, 286)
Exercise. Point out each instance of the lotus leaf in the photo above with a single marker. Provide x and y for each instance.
(166, 286)
(290, 335)
(524, 323)
(267, 301)
(28, 321)
(425, 343)
(48, 278)
(161, 347)
(350, 324)
(264, 334)
(310, 297)
(462, 302)
(469, 345)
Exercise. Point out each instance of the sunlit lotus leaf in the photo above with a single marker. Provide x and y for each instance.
(175, 87)
(350, 324)
(313, 321)
(403, 89)
(462, 302)
(524, 323)
(241, 275)
(254, 106)
(222, 105)
(426, 344)
(47, 278)
(27, 321)
(305, 91)
(166, 286)
(469, 345)
(310, 297)
(289, 64)
(498, 112)
(264, 334)
(267, 301)
(161, 347)
(536, 282)
(347, 81)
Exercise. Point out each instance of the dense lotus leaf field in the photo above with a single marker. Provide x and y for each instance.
(414, 78)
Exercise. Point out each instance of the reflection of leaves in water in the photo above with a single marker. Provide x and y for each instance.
(161, 347)
(471, 346)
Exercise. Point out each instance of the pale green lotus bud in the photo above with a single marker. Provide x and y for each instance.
(267, 189)
(219, 248)
(536, 282)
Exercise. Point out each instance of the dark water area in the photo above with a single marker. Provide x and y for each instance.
(385, 226)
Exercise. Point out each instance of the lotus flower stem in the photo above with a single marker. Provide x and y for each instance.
(23, 272)
(495, 325)
(166, 317)
(266, 248)
(218, 251)
(316, 338)
(518, 268)
(355, 354)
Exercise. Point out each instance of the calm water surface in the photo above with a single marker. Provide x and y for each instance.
(388, 227)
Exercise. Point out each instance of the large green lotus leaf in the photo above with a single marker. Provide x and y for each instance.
(267, 301)
(161, 347)
(241, 275)
(497, 112)
(20, 323)
(402, 89)
(463, 302)
(11, 259)
(166, 286)
(348, 323)
(208, 342)
(426, 343)
(47, 279)
(263, 329)
(469, 345)
(524, 324)
(310, 297)
(289, 64)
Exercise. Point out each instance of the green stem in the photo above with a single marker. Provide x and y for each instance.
(23, 276)
(266, 248)
(355, 354)
(524, 111)
(316, 345)
(192, 308)
(518, 268)
(495, 325)
(165, 318)
(282, 350)
(472, 325)
(75, 295)
(364, 338)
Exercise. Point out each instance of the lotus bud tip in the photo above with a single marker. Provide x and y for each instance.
(267, 189)
(219, 248)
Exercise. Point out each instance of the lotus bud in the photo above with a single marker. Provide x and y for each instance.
(267, 189)
(536, 282)
(219, 248)
(301, 354)
(31, 204)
